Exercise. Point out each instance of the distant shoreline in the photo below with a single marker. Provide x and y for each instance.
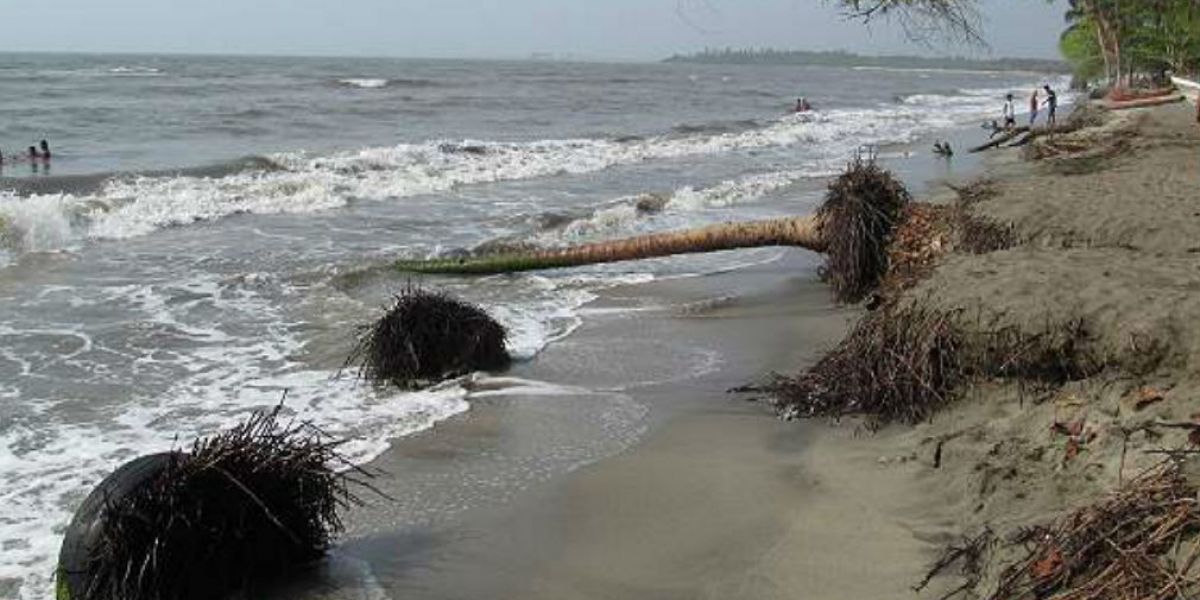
(839, 58)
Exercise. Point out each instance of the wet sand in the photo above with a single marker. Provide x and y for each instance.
(635, 475)
(494, 503)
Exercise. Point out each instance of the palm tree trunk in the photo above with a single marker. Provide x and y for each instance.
(852, 229)
(800, 231)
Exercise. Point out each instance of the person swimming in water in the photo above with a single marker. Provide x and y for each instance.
(802, 105)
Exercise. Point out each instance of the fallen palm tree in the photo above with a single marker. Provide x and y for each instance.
(248, 504)
(426, 337)
(851, 228)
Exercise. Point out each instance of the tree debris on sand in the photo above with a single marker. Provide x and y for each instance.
(898, 364)
(1084, 116)
(426, 337)
(971, 556)
(906, 361)
(241, 506)
(1133, 545)
(926, 232)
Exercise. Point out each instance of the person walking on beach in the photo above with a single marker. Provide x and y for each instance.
(1033, 107)
(1051, 104)
(1010, 113)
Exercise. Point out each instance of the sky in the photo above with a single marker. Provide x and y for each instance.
(581, 29)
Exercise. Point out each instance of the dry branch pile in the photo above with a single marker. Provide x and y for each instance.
(908, 360)
(898, 364)
(241, 506)
(1118, 549)
(924, 234)
(927, 231)
(427, 337)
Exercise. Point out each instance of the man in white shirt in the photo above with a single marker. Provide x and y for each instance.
(1010, 113)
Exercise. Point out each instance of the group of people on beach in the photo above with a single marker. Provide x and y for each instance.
(31, 156)
(1035, 105)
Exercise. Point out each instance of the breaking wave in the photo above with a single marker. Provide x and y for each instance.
(118, 207)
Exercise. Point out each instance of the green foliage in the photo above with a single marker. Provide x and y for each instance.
(1135, 37)
(1080, 47)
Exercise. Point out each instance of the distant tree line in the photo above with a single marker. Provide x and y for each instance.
(840, 58)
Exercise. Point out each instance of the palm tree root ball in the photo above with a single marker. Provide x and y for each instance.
(426, 337)
(244, 506)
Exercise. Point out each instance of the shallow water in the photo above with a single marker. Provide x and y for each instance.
(211, 230)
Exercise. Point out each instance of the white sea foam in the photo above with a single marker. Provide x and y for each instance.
(126, 208)
(134, 71)
(35, 224)
(365, 83)
(46, 469)
(624, 215)
(242, 363)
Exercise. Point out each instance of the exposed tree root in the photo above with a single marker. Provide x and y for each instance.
(426, 337)
(1117, 549)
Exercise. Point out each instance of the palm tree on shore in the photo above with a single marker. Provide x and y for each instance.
(852, 229)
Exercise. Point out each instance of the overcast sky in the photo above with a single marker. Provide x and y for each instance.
(589, 29)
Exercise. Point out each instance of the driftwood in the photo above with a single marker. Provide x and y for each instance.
(1019, 136)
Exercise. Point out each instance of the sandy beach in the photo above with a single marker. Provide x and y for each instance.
(721, 499)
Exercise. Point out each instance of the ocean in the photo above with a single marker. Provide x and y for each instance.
(212, 230)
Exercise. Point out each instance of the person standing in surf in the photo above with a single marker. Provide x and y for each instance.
(1033, 107)
(1010, 113)
(1051, 104)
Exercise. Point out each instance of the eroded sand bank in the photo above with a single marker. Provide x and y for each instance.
(722, 500)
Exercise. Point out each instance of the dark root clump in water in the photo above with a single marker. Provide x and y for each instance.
(428, 337)
(242, 506)
(860, 212)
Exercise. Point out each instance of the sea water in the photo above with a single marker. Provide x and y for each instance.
(212, 230)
